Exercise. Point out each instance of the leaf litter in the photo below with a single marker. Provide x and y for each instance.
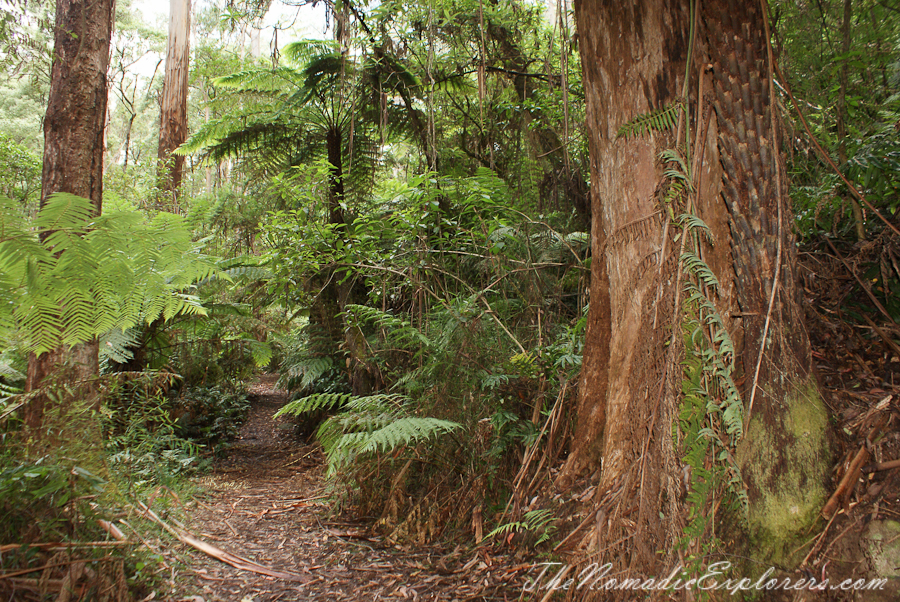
(277, 539)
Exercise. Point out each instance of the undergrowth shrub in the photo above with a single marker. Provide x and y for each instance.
(45, 499)
(143, 445)
(210, 415)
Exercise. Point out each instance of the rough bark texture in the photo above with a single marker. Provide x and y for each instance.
(73, 151)
(783, 456)
(634, 57)
(173, 122)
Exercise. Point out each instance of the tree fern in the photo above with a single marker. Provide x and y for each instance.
(314, 403)
(367, 425)
(74, 276)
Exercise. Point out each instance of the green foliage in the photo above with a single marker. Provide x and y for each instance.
(210, 415)
(313, 403)
(367, 425)
(20, 178)
(38, 498)
(665, 118)
(537, 522)
(145, 449)
(73, 276)
(711, 415)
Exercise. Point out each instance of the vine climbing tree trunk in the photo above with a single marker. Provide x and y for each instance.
(73, 155)
(173, 122)
(635, 60)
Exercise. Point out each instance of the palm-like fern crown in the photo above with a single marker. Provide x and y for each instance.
(286, 113)
(69, 276)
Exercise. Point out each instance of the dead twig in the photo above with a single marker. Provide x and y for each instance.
(881, 466)
(848, 482)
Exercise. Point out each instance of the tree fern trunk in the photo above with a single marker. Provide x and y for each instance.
(783, 456)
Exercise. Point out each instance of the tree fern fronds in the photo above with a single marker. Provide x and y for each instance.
(313, 403)
(665, 118)
(403, 432)
(116, 345)
(78, 276)
(281, 80)
(300, 52)
(260, 351)
(65, 212)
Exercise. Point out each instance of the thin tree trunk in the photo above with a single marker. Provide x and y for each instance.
(173, 122)
(73, 155)
(858, 222)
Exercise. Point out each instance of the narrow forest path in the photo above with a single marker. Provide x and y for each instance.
(266, 502)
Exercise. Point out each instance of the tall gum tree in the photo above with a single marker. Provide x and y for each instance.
(635, 60)
(73, 152)
(173, 121)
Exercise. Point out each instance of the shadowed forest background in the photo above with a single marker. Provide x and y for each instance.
(468, 286)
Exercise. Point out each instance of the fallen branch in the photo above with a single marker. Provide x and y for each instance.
(48, 566)
(881, 466)
(848, 482)
(58, 546)
(238, 562)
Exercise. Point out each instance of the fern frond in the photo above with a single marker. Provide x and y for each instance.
(77, 276)
(695, 266)
(665, 118)
(695, 224)
(314, 403)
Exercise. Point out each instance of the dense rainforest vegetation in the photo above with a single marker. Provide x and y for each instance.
(592, 283)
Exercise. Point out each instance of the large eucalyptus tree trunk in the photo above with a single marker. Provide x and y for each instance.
(173, 121)
(73, 155)
(634, 57)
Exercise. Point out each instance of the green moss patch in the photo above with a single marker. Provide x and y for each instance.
(786, 464)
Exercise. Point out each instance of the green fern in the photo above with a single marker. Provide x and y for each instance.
(314, 403)
(665, 118)
(536, 521)
(305, 368)
(367, 425)
(711, 412)
(71, 276)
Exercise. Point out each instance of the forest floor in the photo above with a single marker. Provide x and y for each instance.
(265, 508)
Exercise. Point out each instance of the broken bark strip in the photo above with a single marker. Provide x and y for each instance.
(848, 482)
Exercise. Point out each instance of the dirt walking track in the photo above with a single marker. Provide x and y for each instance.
(266, 504)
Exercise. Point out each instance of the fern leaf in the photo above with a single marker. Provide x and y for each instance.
(665, 118)
(313, 403)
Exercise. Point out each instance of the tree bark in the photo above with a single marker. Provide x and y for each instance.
(73, 155)
(173, 122)
(783, 456)
(634, 60)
